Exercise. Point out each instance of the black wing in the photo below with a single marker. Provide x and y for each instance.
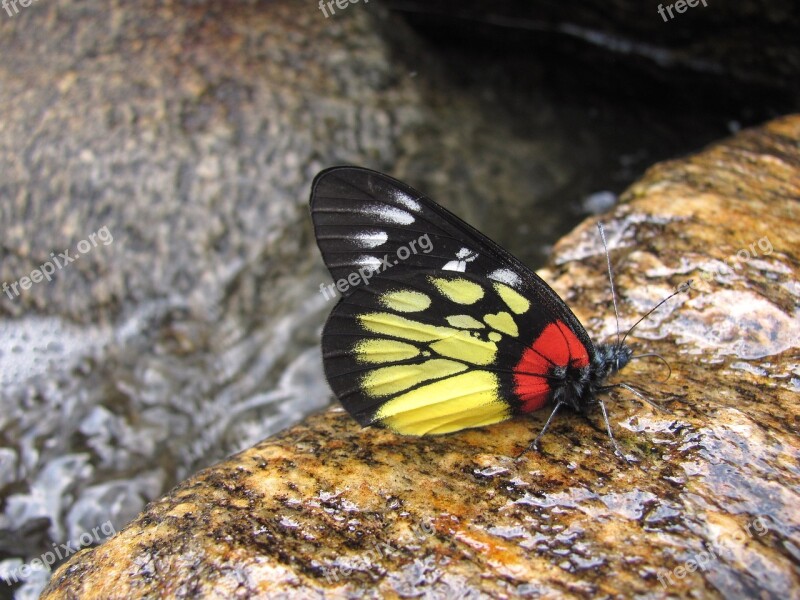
(365, 221)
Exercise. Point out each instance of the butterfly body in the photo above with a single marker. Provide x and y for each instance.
(442, 336)
(579, 388)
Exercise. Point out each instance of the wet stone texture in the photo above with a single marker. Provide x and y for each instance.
(707, 507)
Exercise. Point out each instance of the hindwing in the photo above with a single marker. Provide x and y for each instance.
(436, 351)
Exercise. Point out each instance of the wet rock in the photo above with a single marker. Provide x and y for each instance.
(707, 506)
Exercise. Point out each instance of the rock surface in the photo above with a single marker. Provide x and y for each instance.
(707, 506)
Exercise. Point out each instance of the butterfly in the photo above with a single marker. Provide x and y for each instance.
(438, 327)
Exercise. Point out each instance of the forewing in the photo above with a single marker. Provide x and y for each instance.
(369, 223)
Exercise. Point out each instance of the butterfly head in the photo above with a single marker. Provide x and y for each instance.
(610, 358)
(607, 360)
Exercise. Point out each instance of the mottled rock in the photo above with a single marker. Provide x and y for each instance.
(707, 507)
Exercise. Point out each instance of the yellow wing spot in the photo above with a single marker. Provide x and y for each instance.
(384, 351)
(460, 291)
(445, 341)
(392, 380)
(406, 301)
(462, 346)
(513, 299)
(502, 322)
(480, 417)
(403, 327)
(465, 322)
(494, 336)
(467, 400)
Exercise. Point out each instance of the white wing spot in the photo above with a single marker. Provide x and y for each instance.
(368, 261)
(371, 239)
(390, 214)
(506, 276)
(404, 200)
(455, 265)
(464, 256)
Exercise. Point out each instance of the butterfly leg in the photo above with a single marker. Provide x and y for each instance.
(533, 445)
(608, 428)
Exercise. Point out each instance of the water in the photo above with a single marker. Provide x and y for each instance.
(95, 424)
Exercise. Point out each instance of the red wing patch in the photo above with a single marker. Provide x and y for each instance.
(556, 346)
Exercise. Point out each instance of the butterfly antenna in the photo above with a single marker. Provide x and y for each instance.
(610, 277)
(641, 395)
(659, 357)
(681, 288)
